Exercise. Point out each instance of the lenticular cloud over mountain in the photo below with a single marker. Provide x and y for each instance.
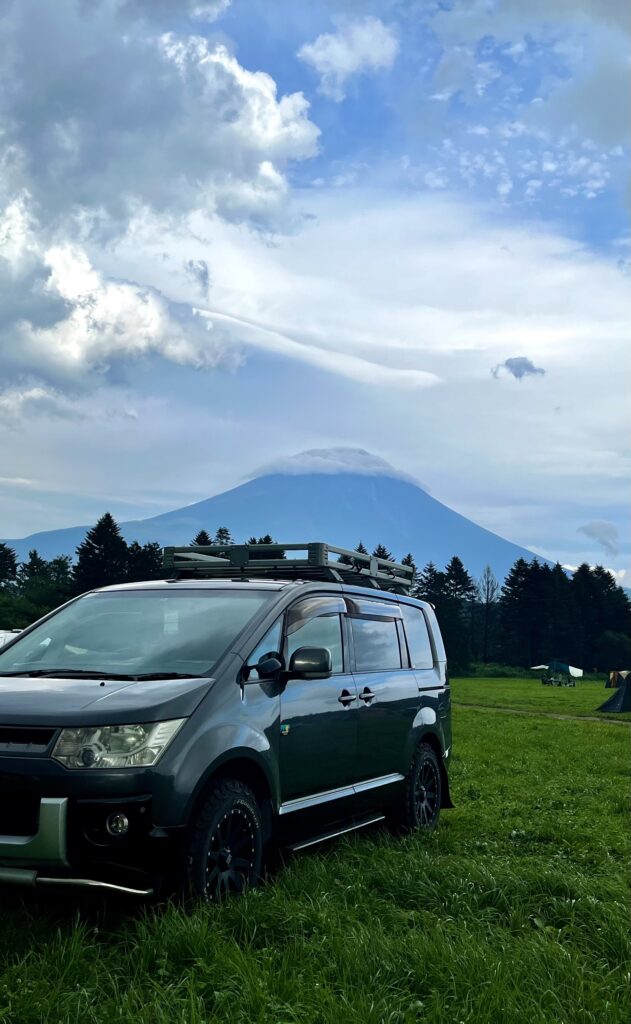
(332, 461)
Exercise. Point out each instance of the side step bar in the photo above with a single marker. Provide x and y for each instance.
(364, 823)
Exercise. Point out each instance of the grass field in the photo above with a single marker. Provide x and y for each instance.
(515, 910)
(529, 695)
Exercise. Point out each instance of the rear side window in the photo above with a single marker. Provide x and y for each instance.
(419, 644)
(376, 644)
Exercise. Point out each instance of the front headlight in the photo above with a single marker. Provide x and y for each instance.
(115, 746)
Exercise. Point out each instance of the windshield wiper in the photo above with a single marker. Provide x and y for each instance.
(66, 673)
(165, 675)
(83, 673)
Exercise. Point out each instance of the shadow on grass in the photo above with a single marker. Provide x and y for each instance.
(35, 918)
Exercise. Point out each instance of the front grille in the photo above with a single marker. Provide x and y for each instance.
(19, 739)
(19, 813)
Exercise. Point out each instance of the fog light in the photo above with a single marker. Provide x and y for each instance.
(117, 824)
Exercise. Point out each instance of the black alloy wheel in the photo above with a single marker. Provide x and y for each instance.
(427, 791)
(231, 854)
(418, 809)
(226, 849)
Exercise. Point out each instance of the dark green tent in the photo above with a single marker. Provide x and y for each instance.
(620, 700)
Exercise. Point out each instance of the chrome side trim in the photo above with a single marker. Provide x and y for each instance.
(382, 780)
(48, 845)
(303, 803)
(338, 832)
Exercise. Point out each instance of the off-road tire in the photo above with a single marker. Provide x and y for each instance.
(225, 851)
(418, 809)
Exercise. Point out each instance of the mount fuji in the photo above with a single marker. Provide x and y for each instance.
(339, 495)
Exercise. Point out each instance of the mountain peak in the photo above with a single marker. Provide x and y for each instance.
(334, 461)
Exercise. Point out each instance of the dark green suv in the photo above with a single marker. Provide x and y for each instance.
(161, 734)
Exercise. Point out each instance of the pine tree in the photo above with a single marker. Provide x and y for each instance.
(101, 557)
(526, 634)
(431, 585)
(381, 551)
(562, 615)
(223, 537)
(267, 539)
(202, 538)
(409, 560)
(455, 610)
(458, 582)
(144, 562)
(612, 650)
(44, 585)
(60, 571)
(32, 572)
(8, 565)
(601, 606)
(347, 560)
(361, 549)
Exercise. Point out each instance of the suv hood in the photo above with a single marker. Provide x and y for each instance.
(50, 701)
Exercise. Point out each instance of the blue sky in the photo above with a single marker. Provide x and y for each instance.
(234, 231)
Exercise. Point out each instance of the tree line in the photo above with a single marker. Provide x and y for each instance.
(536, 614)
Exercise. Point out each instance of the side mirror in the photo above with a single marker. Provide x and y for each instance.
(311, 663)
(268, 667)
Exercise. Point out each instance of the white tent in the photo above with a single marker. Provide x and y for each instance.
(559, 666)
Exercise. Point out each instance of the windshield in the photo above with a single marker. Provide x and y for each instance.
(136, 632)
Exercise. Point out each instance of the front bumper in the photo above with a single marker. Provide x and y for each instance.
(70, 847)
(48, 845)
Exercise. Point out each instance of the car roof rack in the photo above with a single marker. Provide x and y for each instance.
(317, 561)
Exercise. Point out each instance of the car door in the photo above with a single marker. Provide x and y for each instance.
(387, 688)
(318, 717)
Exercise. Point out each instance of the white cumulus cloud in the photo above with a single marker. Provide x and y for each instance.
(357, 47)
(101, 115)
(109, 319)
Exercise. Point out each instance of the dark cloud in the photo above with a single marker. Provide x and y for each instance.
(605, 533)
(198, 271)
(519, 367)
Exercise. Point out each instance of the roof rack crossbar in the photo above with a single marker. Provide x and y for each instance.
(318, 561)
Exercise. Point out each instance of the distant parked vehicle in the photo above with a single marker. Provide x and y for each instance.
(170, 729)
(8, 634)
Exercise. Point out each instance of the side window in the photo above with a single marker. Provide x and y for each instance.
(376, 644)
(270, 646)
(324, 631)
(419, 644)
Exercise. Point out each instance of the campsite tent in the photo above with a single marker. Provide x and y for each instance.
(559, 668)
(620, 699)
(615, 679)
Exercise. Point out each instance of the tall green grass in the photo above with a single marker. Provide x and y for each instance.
(582, 700)
(514, 910)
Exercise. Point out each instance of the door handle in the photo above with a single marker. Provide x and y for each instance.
(346, 698)
(366, 695)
